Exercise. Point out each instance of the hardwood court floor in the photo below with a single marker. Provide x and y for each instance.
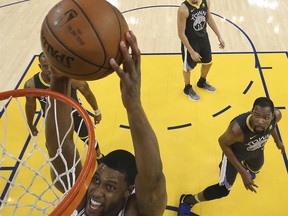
(254, 63)
(191, 154)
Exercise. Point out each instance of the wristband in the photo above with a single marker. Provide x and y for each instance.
(97, 112)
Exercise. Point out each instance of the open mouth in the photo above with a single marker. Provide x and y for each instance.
(94, 204)
(94, 207)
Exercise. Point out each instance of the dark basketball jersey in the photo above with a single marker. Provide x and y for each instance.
(196, 21)
(41, 84)
(253, 144)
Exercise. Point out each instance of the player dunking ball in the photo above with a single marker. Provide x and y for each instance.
(111, 191)
(243, 152)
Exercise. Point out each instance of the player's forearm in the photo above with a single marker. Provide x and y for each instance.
(275, 137)
(30, 111)
(62, 112)
(186, 43)
(232, 158)
(213, 26)
(92, 101)
(145, 144)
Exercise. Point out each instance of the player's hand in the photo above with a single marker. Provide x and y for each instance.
(97, 118)
(196, 57)
(221, 43)
(34, 130)
(130, 75)
(248, 182)
(280, 146)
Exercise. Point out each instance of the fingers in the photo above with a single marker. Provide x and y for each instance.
(132, 42)
(34, 131)
(251, 187)
(116, 67)
(125, 54)
(97, 119)
(196, 57)
(221, 46)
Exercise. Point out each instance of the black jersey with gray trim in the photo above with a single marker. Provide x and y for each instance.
(196, 21)
(41, 84)
(253, 144)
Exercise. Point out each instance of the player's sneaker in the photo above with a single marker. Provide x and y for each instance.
(184, 209)
(207, 87)
(188, 90)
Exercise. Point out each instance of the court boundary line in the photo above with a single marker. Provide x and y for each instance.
(257, 61)
(15, 168)
(13, 3)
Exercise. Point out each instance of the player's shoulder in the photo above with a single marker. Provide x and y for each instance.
(183, 8)
(234, 128)
(278, 114)
(30, 83)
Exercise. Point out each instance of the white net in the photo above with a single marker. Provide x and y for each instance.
(25, 182)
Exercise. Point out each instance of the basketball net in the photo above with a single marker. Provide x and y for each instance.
(25, 181)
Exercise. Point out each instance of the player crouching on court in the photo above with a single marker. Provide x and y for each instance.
(243, 152)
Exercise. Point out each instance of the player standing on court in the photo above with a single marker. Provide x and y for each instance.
(243, 152)
(193, 16)
(41, 80)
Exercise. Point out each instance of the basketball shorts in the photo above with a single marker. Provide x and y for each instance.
(228, 173)
(78, 123)
(200, 45)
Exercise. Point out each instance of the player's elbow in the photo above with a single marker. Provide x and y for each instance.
(221, 143)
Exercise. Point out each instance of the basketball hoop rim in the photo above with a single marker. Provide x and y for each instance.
(70, 202)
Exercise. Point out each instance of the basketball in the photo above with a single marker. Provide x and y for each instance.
(79, 37)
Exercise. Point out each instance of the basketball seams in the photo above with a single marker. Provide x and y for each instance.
(60, 69)
(67, 72)
(63, 54)
(120, 28)
(49, 30)
(94, 30)
(59, 41)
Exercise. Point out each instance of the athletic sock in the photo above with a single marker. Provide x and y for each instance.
(201, 82)
(187, 86)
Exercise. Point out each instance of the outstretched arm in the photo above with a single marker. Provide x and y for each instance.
(150, 182)
(85, 90)
(60, 115)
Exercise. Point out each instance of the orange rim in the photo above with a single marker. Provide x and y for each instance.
(77, 192)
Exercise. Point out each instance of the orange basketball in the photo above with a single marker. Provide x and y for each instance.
(79, 37)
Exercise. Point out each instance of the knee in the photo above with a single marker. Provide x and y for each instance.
(223, 191)
(215, 192)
